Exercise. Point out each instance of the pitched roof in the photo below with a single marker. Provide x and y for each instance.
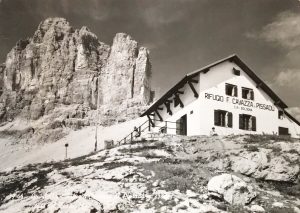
(292, 118)
(232, 58)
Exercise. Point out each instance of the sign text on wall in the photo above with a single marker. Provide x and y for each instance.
(239, 102)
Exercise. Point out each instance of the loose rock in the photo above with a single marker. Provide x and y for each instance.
(232, 189)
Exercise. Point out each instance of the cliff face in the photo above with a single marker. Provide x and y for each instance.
(125, 79)
(61, 66)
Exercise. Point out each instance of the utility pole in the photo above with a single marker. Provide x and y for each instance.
(97, 118)
(96, 137)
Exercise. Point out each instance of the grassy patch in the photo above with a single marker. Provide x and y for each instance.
(251, 148)
(276, 149)
(114, 164)
(292, 190)
(181, 175)
(285, 188)
(144, 147)
(59, 165)
(83, 162)
(17, 186)
(281, 210)
(233, 137)
(178, 182)
(267, 138)
(66, 174)
(293, 151)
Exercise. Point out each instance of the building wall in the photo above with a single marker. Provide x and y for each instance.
(189, 102)
(211, 90)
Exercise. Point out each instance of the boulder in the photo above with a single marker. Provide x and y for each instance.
(266, 165)
(232, 189)
(250, 163)
(257, 208)
(278, 204)
(282, 170)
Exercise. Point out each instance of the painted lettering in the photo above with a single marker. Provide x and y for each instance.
(240, 102)
(214, 97)
(265, 107)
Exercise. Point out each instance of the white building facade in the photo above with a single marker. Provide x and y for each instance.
(226, 96)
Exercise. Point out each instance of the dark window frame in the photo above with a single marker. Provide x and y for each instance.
(236, 72)
(251, 94)
(244, 122)
(220, 118)
(280, 114)
(234, 88)
(283, 131)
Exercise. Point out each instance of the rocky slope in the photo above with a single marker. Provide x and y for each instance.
(70, 69)
(164, 174)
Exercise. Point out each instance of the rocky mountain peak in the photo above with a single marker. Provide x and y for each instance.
(125, 39)
(52, 28)
(63, 67)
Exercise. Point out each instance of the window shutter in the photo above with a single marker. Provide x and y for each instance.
(235, 91)
(253, 123)
(243, 93)
(241, 121)
(229, 114)
(217, 118)
(252, 95)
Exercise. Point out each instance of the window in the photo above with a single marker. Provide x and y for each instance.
(247, 122)
(223, 118)
(283, 131)
(247, 93)
(236, 72)
(280, 114)
(231, 90)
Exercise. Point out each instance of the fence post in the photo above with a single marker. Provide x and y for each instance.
(166, 123)
(149, 126)
(131, 138)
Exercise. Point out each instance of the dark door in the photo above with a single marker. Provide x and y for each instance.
(283, 131)
(181, 126)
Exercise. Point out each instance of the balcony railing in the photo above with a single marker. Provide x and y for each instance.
(161, 127)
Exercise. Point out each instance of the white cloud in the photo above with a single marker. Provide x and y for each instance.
(285, 30)
(289, 78)
(157, 15)
(295, 111)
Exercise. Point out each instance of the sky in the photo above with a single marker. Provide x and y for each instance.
(182, 35)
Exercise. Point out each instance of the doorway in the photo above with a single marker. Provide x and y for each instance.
(181, 126)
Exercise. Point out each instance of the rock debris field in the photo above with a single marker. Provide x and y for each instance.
(164, 174)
